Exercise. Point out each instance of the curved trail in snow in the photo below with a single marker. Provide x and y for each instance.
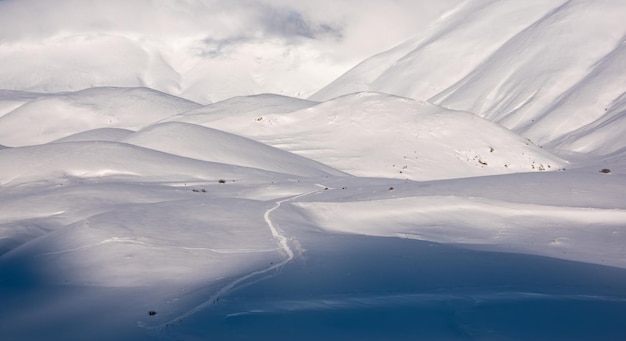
(280, 238)
(283, 243)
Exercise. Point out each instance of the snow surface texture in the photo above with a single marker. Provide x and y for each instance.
(475, 169)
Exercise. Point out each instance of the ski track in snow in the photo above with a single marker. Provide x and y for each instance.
(283, 244)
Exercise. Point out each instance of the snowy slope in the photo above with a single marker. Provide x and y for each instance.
(98, 134)
(555, 87)
(377, 135)
(551, 68)
(239, 109)
(468, 183)
(602, 136)
(207, 144)
(10, 100)
(447, 50)
(522, 213)
(41, 119)
(131, 245)
(89, 159)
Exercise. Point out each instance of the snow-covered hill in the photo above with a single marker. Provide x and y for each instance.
(377, 135)
(468, 183)
(546, 69)
(34, 118)
(207, 144)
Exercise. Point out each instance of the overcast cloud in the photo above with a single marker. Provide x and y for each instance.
(205, 50)
(355, 28)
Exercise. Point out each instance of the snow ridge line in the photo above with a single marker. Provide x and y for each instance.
(282, 242)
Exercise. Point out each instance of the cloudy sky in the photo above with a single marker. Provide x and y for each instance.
(360, 26)
(319, 39)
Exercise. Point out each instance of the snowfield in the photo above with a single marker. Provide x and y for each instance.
(467, 183)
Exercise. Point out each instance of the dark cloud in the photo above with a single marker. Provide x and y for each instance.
(260, 21)
(212, 48)
(290, 23)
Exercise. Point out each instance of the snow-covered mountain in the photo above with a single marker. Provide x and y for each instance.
(549, 70)
(168, 178)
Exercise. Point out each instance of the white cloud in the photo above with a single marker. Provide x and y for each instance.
(355, 26)
(310, 43)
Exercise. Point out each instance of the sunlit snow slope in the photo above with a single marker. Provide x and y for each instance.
(377, 135)
(552, 71)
